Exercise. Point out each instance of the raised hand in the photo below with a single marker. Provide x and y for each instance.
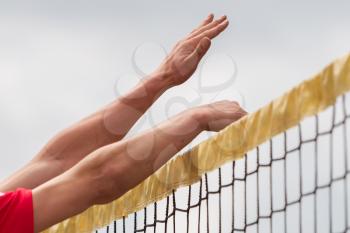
(183, 60)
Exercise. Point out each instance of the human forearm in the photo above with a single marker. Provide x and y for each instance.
(122, 114)
(144, 154)
(106, 126)
(127, 163)
(111, 171)
(112, 122)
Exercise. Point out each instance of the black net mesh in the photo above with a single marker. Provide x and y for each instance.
(296, 182)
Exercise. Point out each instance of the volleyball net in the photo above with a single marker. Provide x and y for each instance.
(283, 168)
(296, 182)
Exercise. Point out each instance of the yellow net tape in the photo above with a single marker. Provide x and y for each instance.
(308, 98)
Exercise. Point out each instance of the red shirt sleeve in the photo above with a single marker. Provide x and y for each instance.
(16, 212)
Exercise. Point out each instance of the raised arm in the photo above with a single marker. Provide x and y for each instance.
(110, 171)
(113, 122)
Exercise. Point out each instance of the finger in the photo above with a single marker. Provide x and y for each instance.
(201, 49)
(231, 109)
(240, 113)
(208, 26)
(208, 20)
(212, 33)
(237, 109)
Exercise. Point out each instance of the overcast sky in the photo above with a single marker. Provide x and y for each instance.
(62, 60)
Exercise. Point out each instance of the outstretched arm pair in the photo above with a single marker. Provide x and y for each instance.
(89, 164)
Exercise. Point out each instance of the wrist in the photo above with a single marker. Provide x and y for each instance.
(160, 79)
(200, 117)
